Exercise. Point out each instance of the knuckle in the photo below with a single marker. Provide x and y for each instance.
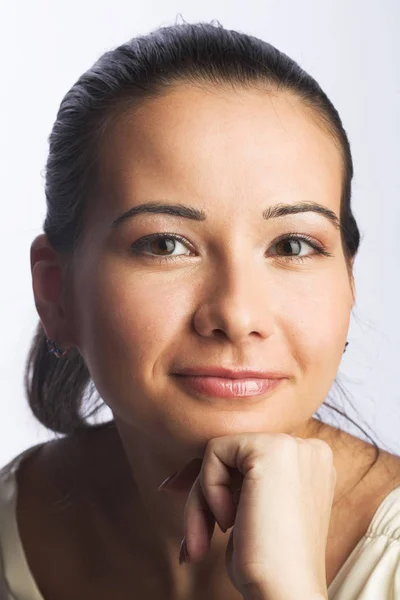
(211, 448)
(323, 448)
(285, 443)
(289, 440)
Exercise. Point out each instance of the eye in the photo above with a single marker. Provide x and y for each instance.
(159, 242)
(291, 243)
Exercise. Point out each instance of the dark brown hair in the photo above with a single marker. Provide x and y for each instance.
(61, 391)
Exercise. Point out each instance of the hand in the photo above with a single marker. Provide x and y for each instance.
(280, 514)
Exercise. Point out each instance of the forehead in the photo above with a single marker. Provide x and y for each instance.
(228, 146)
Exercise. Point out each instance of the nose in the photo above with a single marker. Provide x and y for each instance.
(236, 302)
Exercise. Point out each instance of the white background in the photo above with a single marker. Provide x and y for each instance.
(351, 47)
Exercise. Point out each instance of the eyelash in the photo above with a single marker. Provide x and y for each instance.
(137, 247)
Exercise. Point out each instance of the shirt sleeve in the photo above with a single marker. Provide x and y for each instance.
(371, 573)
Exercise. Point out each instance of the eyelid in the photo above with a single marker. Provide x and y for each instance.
(288, 235)
(180, 238)
(302, 236)
(154, 236)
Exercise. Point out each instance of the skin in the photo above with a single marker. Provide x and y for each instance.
(227, 300)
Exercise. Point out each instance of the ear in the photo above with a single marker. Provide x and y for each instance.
(48, 282)
(352, 282)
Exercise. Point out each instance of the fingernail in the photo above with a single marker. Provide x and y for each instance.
(223, 529)
(166, 481)
(183, 554)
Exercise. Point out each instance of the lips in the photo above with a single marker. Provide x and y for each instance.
(230, 373)
(229, 388)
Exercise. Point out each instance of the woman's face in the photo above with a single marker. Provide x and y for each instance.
(230, 293)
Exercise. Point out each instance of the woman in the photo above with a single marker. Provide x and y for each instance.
(196, 267)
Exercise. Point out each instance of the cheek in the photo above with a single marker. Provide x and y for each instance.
(315, 314)
(130, 322)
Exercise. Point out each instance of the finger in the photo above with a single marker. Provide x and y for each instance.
(199, 523)
(184, 480)
(228, 556)
(219, 481)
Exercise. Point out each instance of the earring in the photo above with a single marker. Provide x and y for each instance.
(52, 347)
(345, 346)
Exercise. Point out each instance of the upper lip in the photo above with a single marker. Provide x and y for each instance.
(230, 373)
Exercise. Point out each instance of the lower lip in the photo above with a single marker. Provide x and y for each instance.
(229, 388)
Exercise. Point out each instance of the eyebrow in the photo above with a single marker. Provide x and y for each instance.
(189, 212)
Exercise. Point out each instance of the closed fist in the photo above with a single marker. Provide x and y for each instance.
(276, 492)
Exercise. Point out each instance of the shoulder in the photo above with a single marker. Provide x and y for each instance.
(41, 509)
(372, 569)
(61, 507)
(9, 484)
(70, 475)
(13, 567)
(23, 487)
(10, 468)
(366, 552)
(376, 497)
(384, 479)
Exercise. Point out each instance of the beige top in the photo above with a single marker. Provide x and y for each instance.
(371, 572)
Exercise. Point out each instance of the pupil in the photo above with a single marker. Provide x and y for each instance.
(287, 245)
(164, 243)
